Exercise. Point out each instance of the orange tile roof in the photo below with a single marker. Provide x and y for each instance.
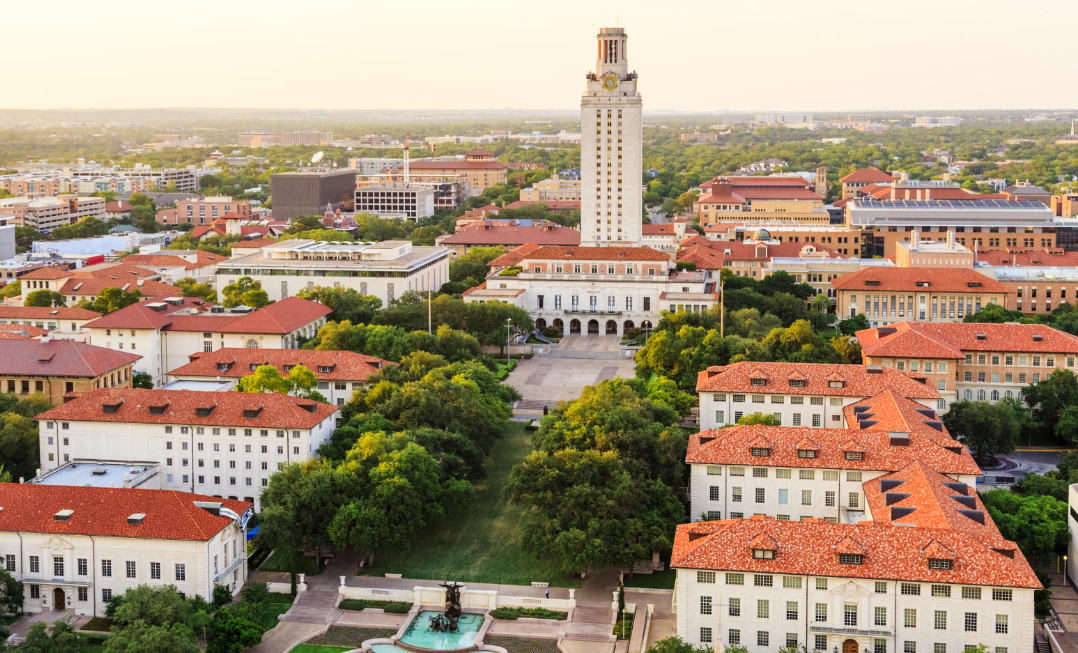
(953, 339)
(925, 497)
(760, 181)
(46, 273)
(46, 313)
(857, 380)
(657, 229)
(160, 260)
(142, 316)
(1056, 257)
(733, 446)
(871, 175)
(712, 254)
(953, 280)
(253, 243)
(236, 363)
(94, 287)
(20, 332)
(65, 358)
(748, 195)
(100, 511)
(133, 405)
(598, 254)
(515, 255)
(281, 317)
(891, 412)
(456, 164)
(808, 548)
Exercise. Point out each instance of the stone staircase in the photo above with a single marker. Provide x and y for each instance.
(603, 616)
(314, 607)
(50, 617)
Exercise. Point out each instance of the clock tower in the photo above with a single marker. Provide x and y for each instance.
(611, 150)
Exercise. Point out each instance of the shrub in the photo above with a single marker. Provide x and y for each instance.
(531, 613)
(397, 607)
(352, 604)
(505, 613)
(254, 592)
(221, 595)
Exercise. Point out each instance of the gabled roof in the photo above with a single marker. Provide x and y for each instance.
(487, 235)
(958, 280)
(253, 243)
(1016, 257)
(20, 331)
(162, 260)
(46, 273)
(281, 317)
(734, 445)
(890, 412)
(953, 339)
(861, 381)
(715, 254)
(597, 254)
(515, 255)
(60, 358)
(805, 548)
(327, 365)
(133, 405)
(168, 514)
(871, 175)
(143, 316)
(175, 314)
(45, 313)
(94, 287)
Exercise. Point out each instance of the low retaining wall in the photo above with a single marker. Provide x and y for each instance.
(475, 599)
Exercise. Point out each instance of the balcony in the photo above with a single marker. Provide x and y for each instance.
(848, 630)
(229, 569)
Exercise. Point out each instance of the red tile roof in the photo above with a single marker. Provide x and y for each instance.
(45, 313)
(891, 412)
(20, 331)
(856, 380)
(657, 229)
(47, 273)
(760, 181)
(203, 259)
(951, 340)
(954, 280)
(807, 548)
(487, 235)
(94, 287)
(118, 207)
(253, 243)
(169, 514)
(712, 254)
(1026, 257)
(143, 316)
(515, 255)
(133, 405)
(65, 358)
(281, 317)
(871, 175)
(734, 445)
(553, 205)
(118, 270)
(236, 363)
(598, 254)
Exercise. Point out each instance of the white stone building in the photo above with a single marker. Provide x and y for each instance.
(165, 331)
(74, 548)
(926, 572)
(225, 444)
(800, 394)
(611, 147)
(792, 473)
(386, 270)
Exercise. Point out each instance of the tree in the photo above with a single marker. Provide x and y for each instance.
(851, 326)
(849, 349)
(762, 419)
(111, 300)
(230, 634)
(347, 303)
(584, 510)
(221, 595)
(300, 382)
(11, 596)
(142, 380)
(48, 298)
(473, 265)
(144, 638)
(1049, 400)
(1050, 484)
(19, 448)
(62, 639)
(12, 289)
(989, 429)
(156, 606)
(245, 291)
(192, 288)
(1038, 524)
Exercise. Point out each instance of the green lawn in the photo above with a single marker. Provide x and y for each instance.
(276, 562)
(660, 580)
(523, 644)
(482, 543)
(349, 637)
(276, 604)
(311, 648)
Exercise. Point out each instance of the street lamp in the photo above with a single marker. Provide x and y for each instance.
(508, 321)
(1064, 569)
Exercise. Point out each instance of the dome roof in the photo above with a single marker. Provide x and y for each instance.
(761, 234)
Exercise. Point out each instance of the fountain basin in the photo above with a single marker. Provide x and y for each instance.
(419, 634)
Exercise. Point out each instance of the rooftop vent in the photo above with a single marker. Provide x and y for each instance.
(136, 519)
(899, 513)
(981, 336)
(974, 284)
(960, 488)
(1037, 337)
(975, 515)
(1005, 552)
(98, 471)
(112, 408)
(893, 497)
(890, 484)
(206, 411)
(63, 515)
(886, 331)
(873, 369)
(158, 307)
(969, 502)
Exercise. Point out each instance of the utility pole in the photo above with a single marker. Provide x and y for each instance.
(722, 306)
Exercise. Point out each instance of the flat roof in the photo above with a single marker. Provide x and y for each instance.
(201, 386)
(99, 473)
(1006, 273)
(977, 213)
(417, 257)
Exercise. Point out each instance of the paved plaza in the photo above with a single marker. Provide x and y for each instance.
(563, 372)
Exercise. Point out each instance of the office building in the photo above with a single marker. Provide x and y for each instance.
(858, 179)
(56, 367)
(204, 210)
(225, 444)
(305, 137)
(76, 548)
(402, 201)
(183, 179)
(62, 322)
(478, 168)
(778, 199)
(309, 191)
(554, 189)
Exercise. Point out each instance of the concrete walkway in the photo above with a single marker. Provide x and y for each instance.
(286, 635)
(381, 582)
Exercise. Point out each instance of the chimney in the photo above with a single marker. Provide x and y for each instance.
(950, 240)
(915, 240)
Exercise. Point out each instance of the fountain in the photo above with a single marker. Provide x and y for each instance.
(448, 621)
(452, 629)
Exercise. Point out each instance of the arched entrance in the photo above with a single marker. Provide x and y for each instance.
(628, 325)
(593, 327)
(574, 326)
(849, 646)
(558, 324)
(59, 601)
(540, 324)
(646, 325)
(611, 328)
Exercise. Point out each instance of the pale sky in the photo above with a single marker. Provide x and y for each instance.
(823, 55)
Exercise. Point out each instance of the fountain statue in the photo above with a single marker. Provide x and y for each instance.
(447, 621)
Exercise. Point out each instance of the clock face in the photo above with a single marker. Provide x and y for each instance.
(610, 82)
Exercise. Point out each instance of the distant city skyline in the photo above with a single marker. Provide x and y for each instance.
(832, 55)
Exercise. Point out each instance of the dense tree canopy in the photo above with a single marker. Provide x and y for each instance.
(111, 300)
(245, 291)
(347, 303)
(986, 428)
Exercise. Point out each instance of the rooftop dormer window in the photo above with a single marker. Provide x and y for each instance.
(851, 558)
(758, 381)
(761, 452)
(855, 455)
(836, 384)
(806, 453)
(797, 383)
(763, 554)
(940, 563)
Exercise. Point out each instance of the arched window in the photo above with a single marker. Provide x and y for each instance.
(252, 344)
(1008, 394)
(995, 395)
(968, 395)
(980, 395)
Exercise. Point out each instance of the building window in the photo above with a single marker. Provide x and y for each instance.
(880, 616)
(943, 591)
(910, 589)
(35, 591)
(791, 610)
(35, 565)
(763, 580)
(57, 566)
(705, 634)
(1002, 595)
(705, 577)
(939, 620)
(970, 622)
(181, 572)
(763, 638)
(130, 568)
(734, 636)
(1002, 624)
(971, 593)
(705, 605)
(9, 562)
(155, 571)
(735, 607)
(84, 594)
(849, 614)
(909, 618)
(106, 595)
(735, 579)
(821, 612)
